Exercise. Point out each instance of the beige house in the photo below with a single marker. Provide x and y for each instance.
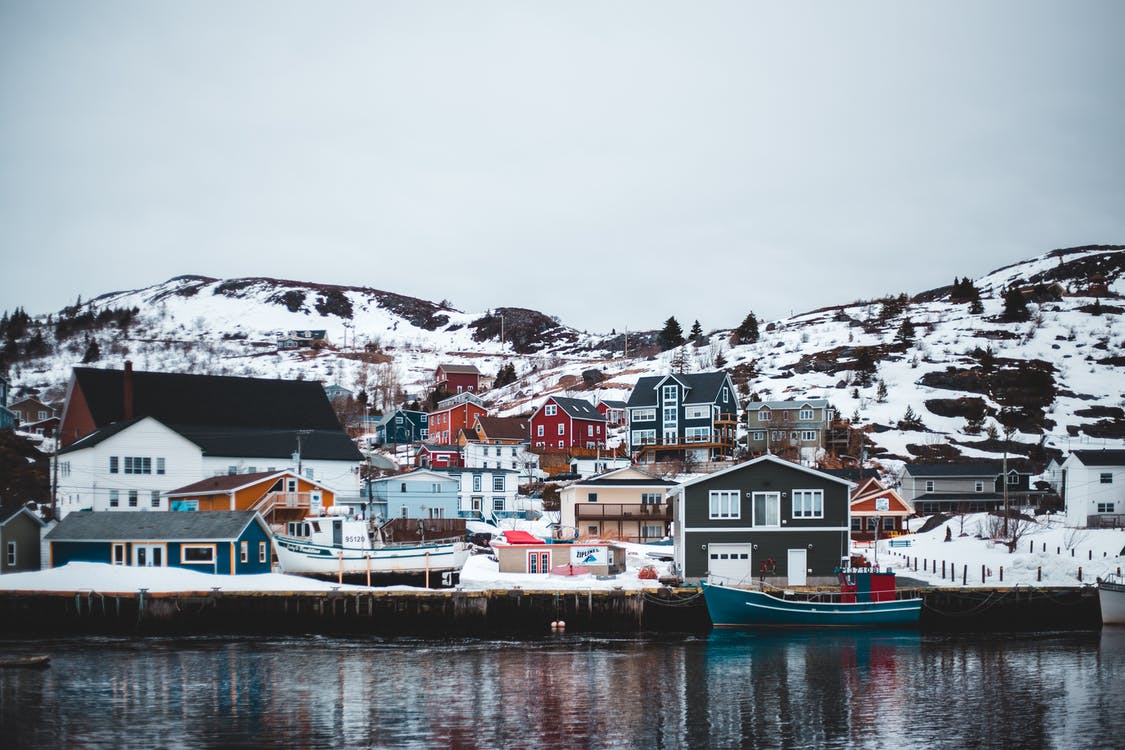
(626, 504)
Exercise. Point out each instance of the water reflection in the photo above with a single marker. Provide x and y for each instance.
(729, 689)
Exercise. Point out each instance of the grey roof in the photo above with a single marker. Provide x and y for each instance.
(186, 526)
(1101, 458)
(460, 369)
(958, 497)
(579, 408)
(613, 404)
(702, 388)
(816, 403)
(957, 470)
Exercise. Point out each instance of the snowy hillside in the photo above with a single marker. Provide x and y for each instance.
(1056, 375)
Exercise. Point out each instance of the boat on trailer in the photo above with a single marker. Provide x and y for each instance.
(867, 598)
(335, 547)
(1111, 599)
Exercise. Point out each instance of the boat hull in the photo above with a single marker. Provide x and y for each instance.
(1111, 598)
(302, 558)
(741, 608)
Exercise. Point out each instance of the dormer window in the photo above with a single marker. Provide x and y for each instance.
(805, 414)
(1013, 479)
(671, 393)
(764, 415)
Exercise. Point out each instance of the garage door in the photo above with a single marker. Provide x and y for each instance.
(729, 563)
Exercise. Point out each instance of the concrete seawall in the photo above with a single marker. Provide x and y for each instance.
(482, 613)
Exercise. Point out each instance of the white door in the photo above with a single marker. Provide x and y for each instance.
(729, 563)
(798, 566)
(148, 555)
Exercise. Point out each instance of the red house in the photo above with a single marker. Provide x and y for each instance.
(567, 423)
(453, 415)
(458, 378)
(439, 456)
(613, 411)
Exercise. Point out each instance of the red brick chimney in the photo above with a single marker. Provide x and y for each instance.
(127, 400)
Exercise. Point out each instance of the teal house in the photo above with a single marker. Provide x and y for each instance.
(223, 542)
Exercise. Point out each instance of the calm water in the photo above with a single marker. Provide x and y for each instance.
(726, 690)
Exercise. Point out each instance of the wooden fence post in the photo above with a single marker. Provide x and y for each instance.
(1039, 573)
(982, 574)
(1001, 574)
(1079, 572)
(965, 574)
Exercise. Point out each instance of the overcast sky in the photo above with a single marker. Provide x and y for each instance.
(611, 163)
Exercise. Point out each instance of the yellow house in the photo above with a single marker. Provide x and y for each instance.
(625, 504)
(279, 496)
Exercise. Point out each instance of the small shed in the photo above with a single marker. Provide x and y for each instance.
(19, 539)
(520, 552)
(225, 542)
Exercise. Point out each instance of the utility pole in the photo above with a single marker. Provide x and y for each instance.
(300, 434)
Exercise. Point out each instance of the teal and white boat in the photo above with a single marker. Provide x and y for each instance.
(864, 601)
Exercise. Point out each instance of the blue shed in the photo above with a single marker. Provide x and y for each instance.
(225, 542)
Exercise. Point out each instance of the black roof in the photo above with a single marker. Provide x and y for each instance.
(212, 400)
(1101, 458)
(223, 525)
(579, 408)
(703, 388)
(8, 512)
(853, 474)
(655, 482)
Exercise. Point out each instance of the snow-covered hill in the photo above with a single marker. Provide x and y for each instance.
(1057, 374)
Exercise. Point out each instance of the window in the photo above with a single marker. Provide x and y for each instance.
(808, 503)
(642, 415)
(697, 412)
(764, 415)
(652, 531)
(244, 552)
(498, 503)
(263, 552)
(118, 554)
(132, 498)
(1013, 479)
(808, 435)
(758, 435)
(591, 497)
(154, 499)
(979, 486)
(723, 504)
(929, 485)
(11, 550)
(805, 414)
(872, 523)
(888, 523)
(726, 394)
(539, 430)
(498, 483)
(671, 393)
(671, 414)
(651, 498)
(562, 429)
(857, 523)
(1105, 507)
(232, 470)
(197, 554)
(697, 434)
(113, 464)
(643, 437)
(308, 472)
(160, 466)
(550, 410)
(767, 508)
(589, 429)
(1105, 478)
(114, 498)
(42, 415)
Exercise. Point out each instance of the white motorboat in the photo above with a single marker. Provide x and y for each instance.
(1111, 596)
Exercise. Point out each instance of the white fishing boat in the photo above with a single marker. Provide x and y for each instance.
(1111, 596)
(335, 547)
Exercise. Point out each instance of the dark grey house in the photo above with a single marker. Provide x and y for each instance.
(19, 539)
(766, 518)
(682, 417)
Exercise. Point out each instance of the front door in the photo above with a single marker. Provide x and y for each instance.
(148, 555)
(798, 566)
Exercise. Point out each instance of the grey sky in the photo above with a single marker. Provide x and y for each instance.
(611, 163)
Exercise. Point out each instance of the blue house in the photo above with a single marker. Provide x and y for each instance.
(402, 426)
(7, 418)
(421, 493)
(224, 542)
(692, 416)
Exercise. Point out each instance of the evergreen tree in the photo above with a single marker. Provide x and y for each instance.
(671, 336)
(881, 392)
(987, 360)
(910, 421)
(747, 331)
(906, 331)
(864, 365)
(93, 352)
(975, 306)
(720, 361)
(697, 333)
(1015, 306)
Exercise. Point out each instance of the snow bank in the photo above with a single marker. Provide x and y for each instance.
(1046, 550)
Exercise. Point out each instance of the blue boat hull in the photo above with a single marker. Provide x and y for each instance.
(731, 607)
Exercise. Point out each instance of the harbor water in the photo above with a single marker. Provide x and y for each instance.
(728, 689)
